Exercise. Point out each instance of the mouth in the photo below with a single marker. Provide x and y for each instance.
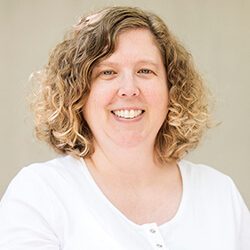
(128, 114)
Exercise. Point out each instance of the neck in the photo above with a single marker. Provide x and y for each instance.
(135, 164)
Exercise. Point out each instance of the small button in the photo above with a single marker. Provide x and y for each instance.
(152, 231)
(159, 245)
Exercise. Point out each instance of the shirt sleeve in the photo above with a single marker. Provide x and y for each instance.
(242, 216)
(26, 212)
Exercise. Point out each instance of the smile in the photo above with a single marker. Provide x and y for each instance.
(128, 114)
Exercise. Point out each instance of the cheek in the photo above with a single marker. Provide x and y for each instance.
(157, 96)
(100, 96)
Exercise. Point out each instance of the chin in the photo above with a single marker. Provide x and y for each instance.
(129, 141)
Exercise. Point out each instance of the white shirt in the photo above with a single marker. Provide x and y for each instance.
(57, 205)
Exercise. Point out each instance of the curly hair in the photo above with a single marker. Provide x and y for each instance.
(65, 83)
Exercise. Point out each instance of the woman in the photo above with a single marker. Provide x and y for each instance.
(121, 100)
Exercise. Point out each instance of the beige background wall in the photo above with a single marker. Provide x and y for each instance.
(216, 32)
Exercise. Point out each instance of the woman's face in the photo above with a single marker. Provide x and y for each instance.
(128, 100)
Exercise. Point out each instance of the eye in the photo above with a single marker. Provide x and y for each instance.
(108, 72)
(145, 71)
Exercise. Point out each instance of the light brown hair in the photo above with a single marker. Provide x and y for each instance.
(65, 83)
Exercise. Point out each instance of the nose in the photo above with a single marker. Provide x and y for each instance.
(128, 87)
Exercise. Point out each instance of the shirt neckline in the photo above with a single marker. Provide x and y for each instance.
(115, 210)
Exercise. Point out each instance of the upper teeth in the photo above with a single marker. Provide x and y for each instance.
(132, 113)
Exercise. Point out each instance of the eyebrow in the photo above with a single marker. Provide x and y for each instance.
(112, 64)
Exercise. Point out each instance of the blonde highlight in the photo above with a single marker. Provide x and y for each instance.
(65, 83)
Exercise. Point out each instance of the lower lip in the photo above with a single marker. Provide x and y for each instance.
(138, 118)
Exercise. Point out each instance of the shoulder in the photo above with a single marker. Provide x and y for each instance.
(216, 197)
(204, 174)
(211, 185)
(207, 183)
(43, 177)
(60, 166)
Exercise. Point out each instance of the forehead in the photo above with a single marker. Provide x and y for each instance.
(135, 44)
